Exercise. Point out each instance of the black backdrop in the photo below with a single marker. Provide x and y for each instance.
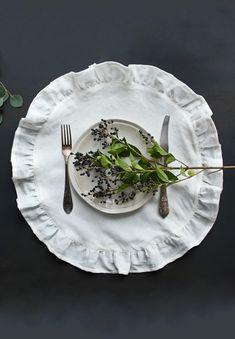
(43, 297)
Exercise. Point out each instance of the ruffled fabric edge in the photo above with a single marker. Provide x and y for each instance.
(159, 252)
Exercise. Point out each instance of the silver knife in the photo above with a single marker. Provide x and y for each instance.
(163, 203)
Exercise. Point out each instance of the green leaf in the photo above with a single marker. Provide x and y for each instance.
(171, 176)
(112, 158)
(155, 178)
(169, 158)
(191, 173)
(144, 163)
(137, 166)
(104, 161)
(116, 148)
(114, 141)
(124, 153)
(134, 163)
(2, 90)
(130, 178)
(6, 96)
(122, 164)
(16, 100)
(156, 151)
(187, 173)
(134, 150)
(1, 118)
(144, 177)
(183, 171)
(132, 157)
(3, 95)
(122, 188)
(162, 175)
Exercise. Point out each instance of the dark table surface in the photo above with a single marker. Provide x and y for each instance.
(43, 297)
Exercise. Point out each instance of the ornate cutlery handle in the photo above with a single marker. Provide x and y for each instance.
(68, 202)
(163, 204)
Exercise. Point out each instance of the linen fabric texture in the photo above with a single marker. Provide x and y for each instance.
(138, 241)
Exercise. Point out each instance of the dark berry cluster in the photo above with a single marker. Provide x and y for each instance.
(148, 138)
(84, 162)
(104, 133)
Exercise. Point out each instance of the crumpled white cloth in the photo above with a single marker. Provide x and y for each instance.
(134, 242)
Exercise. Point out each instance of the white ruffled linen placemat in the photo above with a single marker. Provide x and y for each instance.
(134, 242)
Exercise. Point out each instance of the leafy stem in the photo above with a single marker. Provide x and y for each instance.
(120, 169)
(3, 86)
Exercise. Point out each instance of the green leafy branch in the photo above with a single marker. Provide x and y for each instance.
(135, 167)
(15, 100)
(122, 170)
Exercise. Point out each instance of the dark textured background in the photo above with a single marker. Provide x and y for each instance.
(43, 297)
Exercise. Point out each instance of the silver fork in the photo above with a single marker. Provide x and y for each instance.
(66, 141)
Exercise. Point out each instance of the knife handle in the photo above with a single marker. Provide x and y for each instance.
(163, 204)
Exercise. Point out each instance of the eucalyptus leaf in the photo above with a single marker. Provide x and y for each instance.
(1, 118)
(1, 102)
(16, 100)
(4, 95)
(2, 90)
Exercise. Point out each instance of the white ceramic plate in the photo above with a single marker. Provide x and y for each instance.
(82, 184)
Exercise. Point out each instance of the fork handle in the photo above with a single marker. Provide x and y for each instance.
(68, 202)
(163, 204)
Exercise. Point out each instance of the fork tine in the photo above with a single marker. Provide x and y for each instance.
(70, 137)
(62, 138)
(67, 136)
(64, 135)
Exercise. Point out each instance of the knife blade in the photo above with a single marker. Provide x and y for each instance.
(163, 203)
(164, 133)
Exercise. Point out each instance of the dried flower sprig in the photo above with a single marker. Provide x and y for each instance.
(121, 170)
